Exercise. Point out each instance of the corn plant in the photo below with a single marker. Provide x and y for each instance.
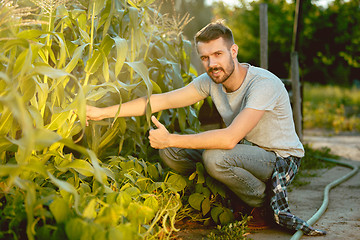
(58, 178)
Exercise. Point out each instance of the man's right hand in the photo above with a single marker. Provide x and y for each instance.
(93, 113)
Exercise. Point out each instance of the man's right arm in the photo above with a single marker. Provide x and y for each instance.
(181, 97)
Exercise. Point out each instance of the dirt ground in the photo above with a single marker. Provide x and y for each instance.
(341, 220)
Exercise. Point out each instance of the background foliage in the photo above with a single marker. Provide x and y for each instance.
(328, 43)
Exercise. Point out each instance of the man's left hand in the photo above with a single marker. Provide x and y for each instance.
(159, 138)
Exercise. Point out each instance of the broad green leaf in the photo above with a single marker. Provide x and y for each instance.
(205, 206)
(82, 167)
(226, 217)
(68, 188)
(60, 210)
(215, 213)
(74, 228)
(132, 191)
(139, 214)
(123, 199)
(195, 200)
(153, 172)
(177, 182)
(89, 211)
(121, 53)
(152, 203)
(215, 187)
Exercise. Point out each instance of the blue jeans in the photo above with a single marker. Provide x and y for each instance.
(245, 169)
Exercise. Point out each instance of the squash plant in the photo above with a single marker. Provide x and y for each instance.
(60, 179)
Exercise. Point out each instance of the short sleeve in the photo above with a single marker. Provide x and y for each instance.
(202, 84)
(263, 94)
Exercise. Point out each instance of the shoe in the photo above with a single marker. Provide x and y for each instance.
(316, 232)
(260, 219)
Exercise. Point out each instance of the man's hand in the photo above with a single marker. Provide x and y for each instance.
(159, 138)
(93, 113)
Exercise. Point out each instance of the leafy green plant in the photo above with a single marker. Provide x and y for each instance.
(59, 179)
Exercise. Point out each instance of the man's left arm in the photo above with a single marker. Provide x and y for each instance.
(225, 138)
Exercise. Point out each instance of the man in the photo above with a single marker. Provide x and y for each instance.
(254, 106)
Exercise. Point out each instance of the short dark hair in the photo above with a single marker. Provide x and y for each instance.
(214, 31)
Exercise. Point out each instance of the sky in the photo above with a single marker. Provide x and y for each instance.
(323, 3)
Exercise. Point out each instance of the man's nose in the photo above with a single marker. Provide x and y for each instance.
(212, 63)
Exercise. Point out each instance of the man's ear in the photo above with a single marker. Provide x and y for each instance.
(234, 50)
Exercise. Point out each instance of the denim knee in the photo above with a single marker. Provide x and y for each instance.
(212, 159)
(172, 158)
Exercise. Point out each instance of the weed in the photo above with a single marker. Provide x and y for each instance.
(236, 230)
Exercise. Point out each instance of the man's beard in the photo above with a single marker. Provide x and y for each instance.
(226, 75)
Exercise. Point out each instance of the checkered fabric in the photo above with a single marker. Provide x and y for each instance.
(284, 173)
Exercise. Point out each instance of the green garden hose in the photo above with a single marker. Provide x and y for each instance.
(324, 205)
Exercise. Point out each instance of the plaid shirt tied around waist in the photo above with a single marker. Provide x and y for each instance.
(284, 172)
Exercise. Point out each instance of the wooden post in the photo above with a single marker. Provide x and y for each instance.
(296, 94)
(263, 36)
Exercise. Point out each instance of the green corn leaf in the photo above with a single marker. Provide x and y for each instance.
(36, 116)
(6, 122)
(105, 68)
(51, 72)
(27, 88)
(121, 53)
(10, 169)
(62, 45)
(85, 35)
(57, 120)
(44, 138)
(96, 6)
(107, 44)
(181, 114)
(94, 62)
(75, 58)
(30, 33)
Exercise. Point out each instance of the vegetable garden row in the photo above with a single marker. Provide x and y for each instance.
(62, 180)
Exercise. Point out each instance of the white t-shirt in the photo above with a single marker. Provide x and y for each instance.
(260, 90)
